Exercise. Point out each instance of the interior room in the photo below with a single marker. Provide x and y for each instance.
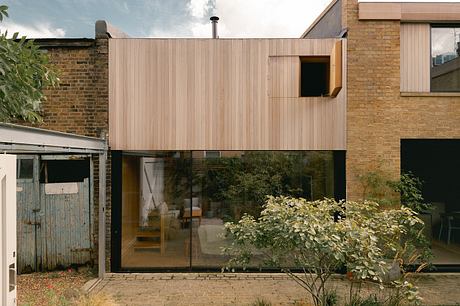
(437, 164)
(175, 204)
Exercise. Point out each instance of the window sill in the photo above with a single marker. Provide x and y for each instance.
(430, 94)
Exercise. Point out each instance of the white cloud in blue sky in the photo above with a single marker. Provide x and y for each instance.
(162, 18)
(165, 18)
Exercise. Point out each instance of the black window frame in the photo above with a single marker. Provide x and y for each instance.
(339, 158)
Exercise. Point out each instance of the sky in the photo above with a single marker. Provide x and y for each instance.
(162, 18)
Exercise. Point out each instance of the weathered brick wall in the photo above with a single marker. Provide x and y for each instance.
(73, 106)
(79, 105)
(101, 68)
(377, 116)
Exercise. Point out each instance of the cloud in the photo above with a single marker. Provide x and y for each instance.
(38, 30)
(246, 18)
(199, 8)
(269, 18)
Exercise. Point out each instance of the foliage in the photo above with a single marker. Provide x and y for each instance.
(406, 191)
(399, 293)
(357, 300)
(410, 189)
(24, 73)
(261, 302)
(376, 187)
(245, 181)
(320, 237)
(331, 298)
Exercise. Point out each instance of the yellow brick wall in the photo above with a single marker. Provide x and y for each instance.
(377, 116)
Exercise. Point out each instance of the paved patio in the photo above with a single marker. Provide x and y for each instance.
(243, 289)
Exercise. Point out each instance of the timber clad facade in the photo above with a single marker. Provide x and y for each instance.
(184, 117)
(222, 94)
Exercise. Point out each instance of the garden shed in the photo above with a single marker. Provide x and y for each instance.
(56, 213)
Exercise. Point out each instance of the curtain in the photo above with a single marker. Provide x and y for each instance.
(152, 187)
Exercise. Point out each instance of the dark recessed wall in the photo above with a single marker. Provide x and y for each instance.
(437, 164)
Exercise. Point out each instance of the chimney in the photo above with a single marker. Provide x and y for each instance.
(214, 20)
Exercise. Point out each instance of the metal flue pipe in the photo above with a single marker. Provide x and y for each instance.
(214, 20)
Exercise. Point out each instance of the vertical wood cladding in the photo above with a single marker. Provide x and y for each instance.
(415, 57)
(219, 94)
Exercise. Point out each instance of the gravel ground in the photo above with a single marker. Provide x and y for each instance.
(51, 288)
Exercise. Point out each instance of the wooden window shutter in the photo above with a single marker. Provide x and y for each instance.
(335, 82)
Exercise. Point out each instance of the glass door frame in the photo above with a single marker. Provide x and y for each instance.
(116, 211)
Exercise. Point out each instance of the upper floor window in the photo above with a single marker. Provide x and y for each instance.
(445, 58)
(314, 76)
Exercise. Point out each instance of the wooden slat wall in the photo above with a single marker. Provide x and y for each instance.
(409, 11)
(205, 94)
(282, 71)
(389, 11)
(415, 57)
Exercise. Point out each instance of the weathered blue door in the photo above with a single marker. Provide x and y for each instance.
(28, 208)
(65, 230)
(53, 220)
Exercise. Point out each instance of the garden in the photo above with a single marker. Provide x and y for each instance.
(378, 244)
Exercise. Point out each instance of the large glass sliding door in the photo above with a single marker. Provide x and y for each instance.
(436, 163)
(236, 183)
(175, 204)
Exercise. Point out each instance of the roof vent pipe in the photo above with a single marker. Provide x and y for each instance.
(214, 20)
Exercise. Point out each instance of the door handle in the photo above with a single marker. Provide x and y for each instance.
(12, 277)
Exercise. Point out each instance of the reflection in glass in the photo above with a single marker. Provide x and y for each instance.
(238, 182)
(175, 204)
(445, 61)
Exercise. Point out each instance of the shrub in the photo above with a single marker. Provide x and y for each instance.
(24, 73)
(406, 191)
(319, 237)
(261, 302)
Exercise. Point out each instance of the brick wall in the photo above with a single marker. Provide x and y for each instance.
(74, 106)
(377, 116)
(79, 105)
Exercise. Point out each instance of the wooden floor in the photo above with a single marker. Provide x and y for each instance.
(177, 254)
(444, 253)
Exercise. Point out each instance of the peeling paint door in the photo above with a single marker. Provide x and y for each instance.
(65, 231)
(53, 217)
(28, 212)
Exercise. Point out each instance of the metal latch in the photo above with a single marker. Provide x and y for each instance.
(12, 277)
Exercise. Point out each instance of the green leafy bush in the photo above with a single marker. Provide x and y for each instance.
(410, 189)
(319, 237)
(24, 73)
(405, 191)
(244, 182)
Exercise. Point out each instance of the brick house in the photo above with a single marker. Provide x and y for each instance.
(191, 124)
